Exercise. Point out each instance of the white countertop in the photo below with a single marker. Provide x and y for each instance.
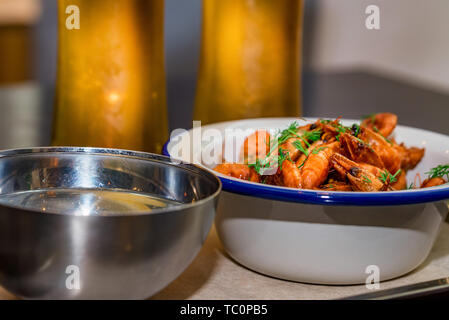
(213, 275)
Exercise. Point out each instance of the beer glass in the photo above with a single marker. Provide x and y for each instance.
(17, 23)
(250, 60)
(111, 80)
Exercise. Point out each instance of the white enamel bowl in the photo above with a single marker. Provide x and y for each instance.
(330, 237)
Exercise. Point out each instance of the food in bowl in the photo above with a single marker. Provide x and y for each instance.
(327, 155)
(317, 235)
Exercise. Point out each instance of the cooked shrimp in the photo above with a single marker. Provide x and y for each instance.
(400, 183)
(290, 146)
(239, 171)
(433, 182)
(382, 147)
(359, 151)
(316, 168)
(303, 157)
(331, 130)
(290, 175)
(373, 169)
(256, 146)
(383, 123)
(328, 155)
(410, 157)
(287, 175)
(360, 178)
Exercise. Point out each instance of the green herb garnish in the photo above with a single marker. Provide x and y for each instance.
(259, 166)
(282, 156)
(377, 131)
(302, 164)
(439, 171)
(281, 137)
(387, 177)
(286, 134)
(312, 136)
(298, 145)
(411, 186)
(366, 179)
(355, 129)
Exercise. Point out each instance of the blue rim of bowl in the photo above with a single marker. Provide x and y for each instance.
(259, 190)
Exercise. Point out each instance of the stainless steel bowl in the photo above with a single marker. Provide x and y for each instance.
(67, 253)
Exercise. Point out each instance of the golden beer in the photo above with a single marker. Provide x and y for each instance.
(250, 60)
(15, 53)
(111, 77)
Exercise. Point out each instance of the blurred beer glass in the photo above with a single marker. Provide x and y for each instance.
(111, 77)
(17, 19)
(250, 60)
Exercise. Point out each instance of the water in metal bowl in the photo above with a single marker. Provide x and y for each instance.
(88, 202)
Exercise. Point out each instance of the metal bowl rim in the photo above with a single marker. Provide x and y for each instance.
(146, 156)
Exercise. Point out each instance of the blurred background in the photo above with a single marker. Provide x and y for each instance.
(411, 47)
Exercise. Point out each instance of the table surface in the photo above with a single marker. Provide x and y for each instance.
(25, 121)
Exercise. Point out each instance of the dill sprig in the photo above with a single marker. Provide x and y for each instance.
(439, 171)
(298, 145)
(275, 144)
(386, 177)
(259, 165)
(410, 186)
(302, 164)
(378, 132)
(366, 179)
(282, 156)
(338, 127)
(355, 129)
(288, 133)
(313, 135)
(317, 150)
